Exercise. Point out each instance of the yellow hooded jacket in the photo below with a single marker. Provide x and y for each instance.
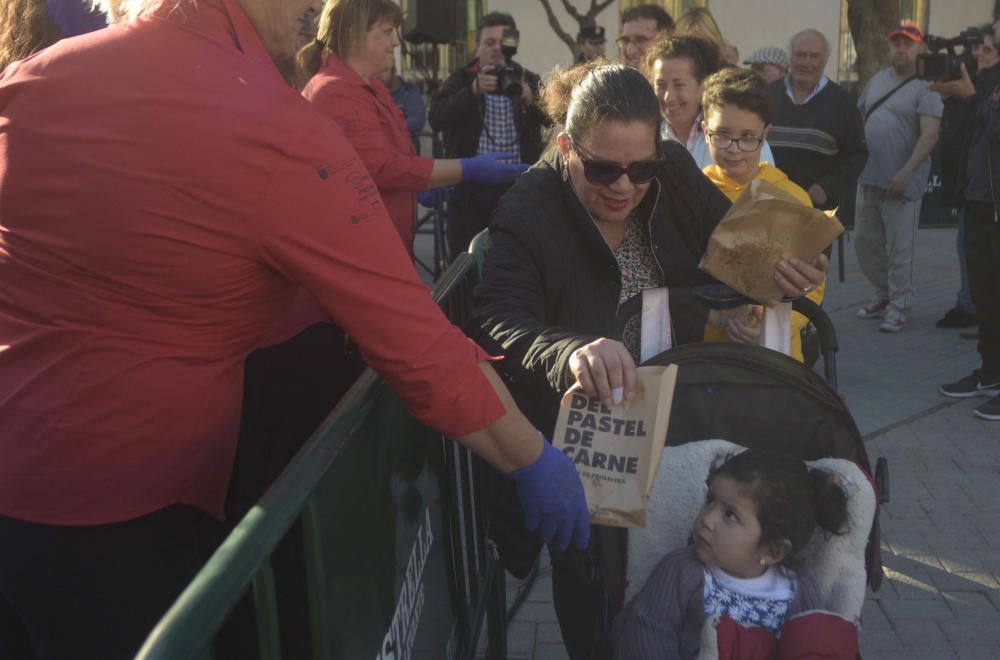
(733, 190)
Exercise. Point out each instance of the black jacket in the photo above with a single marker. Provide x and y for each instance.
(551, 283)
(458, 112)
(957, 128)
(821, 142)
(988, 128)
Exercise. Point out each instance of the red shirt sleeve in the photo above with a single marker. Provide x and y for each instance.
(329, 232)
(357, 111)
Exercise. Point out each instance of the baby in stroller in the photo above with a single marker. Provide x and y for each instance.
(742, 572)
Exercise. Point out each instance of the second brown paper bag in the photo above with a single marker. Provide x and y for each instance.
(617, 450)
(764, 225)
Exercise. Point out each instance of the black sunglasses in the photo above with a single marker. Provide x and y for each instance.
(603, 173)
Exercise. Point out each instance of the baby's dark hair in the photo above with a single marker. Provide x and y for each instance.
(596, 92)
(791, 499)
(742, 88)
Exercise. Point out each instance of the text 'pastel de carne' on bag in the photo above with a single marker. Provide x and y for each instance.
(617, 450)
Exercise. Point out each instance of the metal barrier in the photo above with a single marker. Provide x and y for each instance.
(396, 559)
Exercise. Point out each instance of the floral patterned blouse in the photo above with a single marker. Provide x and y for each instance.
(639, 271)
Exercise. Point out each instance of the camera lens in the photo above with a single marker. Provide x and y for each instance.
(513, 89)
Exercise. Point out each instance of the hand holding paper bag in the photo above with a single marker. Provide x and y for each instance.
(616, 450)
(765, 226)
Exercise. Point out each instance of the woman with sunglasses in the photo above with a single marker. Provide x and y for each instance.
(606, 213)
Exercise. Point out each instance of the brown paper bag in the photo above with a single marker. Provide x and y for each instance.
(764, 225)
(617, 450)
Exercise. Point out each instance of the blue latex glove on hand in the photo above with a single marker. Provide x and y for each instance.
(488, 168)
(552, 496)
(435, 197)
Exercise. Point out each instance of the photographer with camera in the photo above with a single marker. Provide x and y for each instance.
(981, 193)
(956, 134)
(486, 107)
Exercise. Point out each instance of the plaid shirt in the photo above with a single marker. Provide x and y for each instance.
(499, 130)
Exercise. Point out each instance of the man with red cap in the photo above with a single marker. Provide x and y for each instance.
(902, 120)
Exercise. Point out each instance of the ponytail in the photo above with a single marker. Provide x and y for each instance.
(829, 502)
(308, 60)
(791, 499)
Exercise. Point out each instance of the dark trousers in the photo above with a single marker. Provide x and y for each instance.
(982, 249)
(469, 212)
(95, 591)
(588, 591)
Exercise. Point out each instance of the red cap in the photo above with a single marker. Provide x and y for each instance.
(910, 31)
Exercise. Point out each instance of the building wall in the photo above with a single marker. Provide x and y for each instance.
(947, 19)
(749, 24)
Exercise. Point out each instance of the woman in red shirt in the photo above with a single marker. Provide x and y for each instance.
(151, 237)
(356, 43)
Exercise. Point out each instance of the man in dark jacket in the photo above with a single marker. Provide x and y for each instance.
(982, 242)
(957, 126)
(478, 117)
(817, 136)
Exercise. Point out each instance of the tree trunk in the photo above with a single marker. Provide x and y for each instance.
(871, 21)
(581, 19)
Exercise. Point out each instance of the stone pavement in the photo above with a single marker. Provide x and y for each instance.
(941, 531)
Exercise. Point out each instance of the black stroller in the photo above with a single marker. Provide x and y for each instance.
(753, 397)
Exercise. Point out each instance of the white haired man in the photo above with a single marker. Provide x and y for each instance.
(817, 137)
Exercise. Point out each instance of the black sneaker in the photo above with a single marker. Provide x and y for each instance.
(989, 410)
(971, 386)
(956, 317)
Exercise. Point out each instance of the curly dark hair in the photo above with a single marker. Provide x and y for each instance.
(792, 500)
(742, 88)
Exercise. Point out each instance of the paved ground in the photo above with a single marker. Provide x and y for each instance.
(941, 532)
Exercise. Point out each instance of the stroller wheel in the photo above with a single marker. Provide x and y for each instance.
(882, 480)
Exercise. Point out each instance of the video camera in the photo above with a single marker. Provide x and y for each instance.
(935, 65)
(510, 75)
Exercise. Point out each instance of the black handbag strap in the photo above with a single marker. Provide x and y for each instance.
(875, 106)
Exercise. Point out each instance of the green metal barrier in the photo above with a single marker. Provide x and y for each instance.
(396, 561)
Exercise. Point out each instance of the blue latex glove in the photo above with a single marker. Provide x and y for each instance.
(435, 197)
(488, 168)
(552, 496)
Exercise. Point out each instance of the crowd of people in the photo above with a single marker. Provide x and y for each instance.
(156, 240)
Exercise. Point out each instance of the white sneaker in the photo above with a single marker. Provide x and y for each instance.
(894, 322)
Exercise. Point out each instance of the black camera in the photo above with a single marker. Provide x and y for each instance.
(510, 75)
(937, 65)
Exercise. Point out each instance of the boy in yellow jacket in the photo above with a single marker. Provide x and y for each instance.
(737, 118)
